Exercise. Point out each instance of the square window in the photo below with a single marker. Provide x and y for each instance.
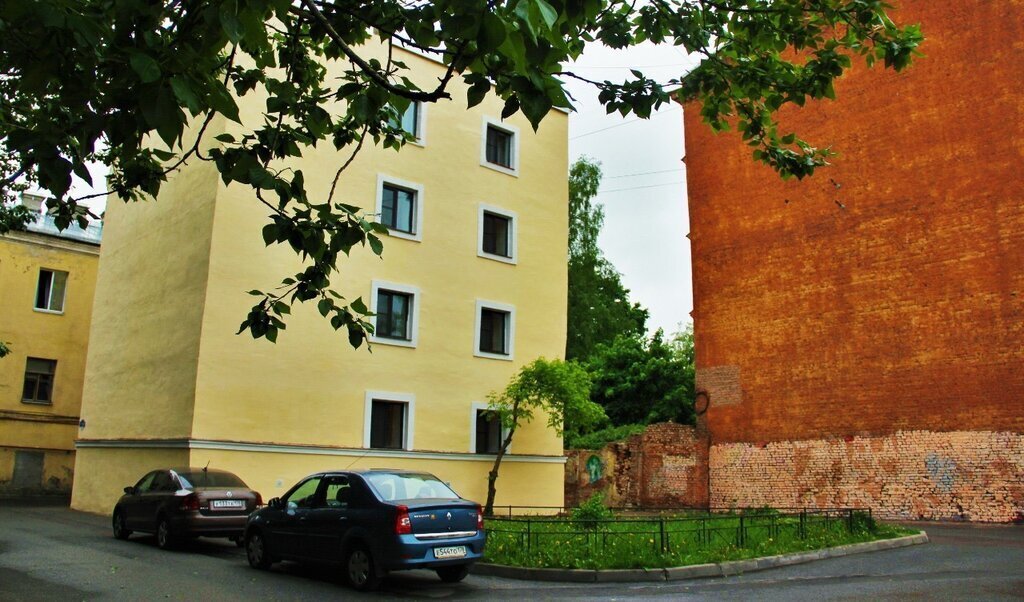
(397, 313)
(393, 315)
(398, 208)
(488, 432)
(387, 424)
(499, 147)
(412, 121)
(497, 230)
(494, 331)
(50, 290)
(39, 374)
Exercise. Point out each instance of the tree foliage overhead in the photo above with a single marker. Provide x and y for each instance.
(599, 309)
(97, 80)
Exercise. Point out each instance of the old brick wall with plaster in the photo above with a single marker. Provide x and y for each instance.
(861, 333)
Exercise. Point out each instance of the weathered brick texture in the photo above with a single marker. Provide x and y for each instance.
(666, 466)
(885, 293)
(907, 475)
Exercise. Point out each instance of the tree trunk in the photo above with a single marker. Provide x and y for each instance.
(492, 476)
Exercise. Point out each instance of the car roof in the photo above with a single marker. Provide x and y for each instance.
(193, 469)
(365, 471)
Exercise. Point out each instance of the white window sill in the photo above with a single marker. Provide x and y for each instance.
(36, 403)
(49, 311)
(498, 258)
(405, 235)
(493, 356)
(502, 169)
(393, 342)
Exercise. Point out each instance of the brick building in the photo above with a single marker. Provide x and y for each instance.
(861, 333)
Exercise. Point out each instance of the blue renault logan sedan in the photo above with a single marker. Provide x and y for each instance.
(369, 522)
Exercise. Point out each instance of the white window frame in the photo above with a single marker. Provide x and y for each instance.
(417, 234)
(49, 301)
(505, 127)
(513, 234)
(410, 415)
(414, 319)
(510, 331)
(475, 407)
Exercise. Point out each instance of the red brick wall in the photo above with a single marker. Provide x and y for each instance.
(666, 466)
(902, 309)
(907, 475)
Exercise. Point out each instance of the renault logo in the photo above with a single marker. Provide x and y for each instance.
(449, 516)
(229, 494)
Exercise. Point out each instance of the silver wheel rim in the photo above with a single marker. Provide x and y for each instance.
(358, 567)
(255, 549)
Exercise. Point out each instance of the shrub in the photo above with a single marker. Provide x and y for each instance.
(589, 514)
(599, 439)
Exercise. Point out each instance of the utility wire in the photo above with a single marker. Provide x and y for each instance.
(640, 187)
(642, 173)
(617, 125)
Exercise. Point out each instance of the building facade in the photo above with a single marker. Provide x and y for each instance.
(861, 333)
(471, 286)
(47, 281)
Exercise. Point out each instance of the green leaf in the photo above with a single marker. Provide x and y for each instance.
(147, 69)
(547, 12)
(375, 244)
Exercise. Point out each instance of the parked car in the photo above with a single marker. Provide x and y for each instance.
(175, 503)
(369, 522)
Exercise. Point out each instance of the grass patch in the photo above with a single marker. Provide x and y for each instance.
(630, 542)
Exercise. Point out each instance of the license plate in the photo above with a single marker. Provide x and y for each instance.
(227, 504)
(450, 552)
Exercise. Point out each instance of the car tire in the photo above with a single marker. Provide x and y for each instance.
(453, 574)
(166, 539)
(121, 530)
(256, 551)
(360, 570)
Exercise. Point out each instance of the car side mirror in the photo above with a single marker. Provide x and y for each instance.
(275, 502)
(130, 490)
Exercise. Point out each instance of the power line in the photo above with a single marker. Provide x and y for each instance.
(634, 120)
(642, 173)
(640, 187)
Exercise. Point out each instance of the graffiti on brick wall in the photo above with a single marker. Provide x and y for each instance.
(594, 469)
(941, 470)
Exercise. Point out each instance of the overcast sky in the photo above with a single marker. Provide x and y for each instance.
(644, 185)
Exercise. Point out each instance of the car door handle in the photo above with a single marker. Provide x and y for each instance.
(342, 518)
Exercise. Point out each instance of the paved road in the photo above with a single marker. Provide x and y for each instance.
(52, 553)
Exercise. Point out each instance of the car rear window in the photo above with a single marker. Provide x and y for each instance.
(191, 480)
(402, 486)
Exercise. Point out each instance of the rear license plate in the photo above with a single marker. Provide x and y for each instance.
(450, 552)
(227, 504)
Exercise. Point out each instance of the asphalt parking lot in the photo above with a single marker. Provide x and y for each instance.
(52, 553)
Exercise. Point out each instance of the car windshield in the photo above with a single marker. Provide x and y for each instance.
(202, 478)
(406, 486)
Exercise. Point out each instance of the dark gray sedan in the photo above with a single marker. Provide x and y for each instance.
(175, 503)
(369, 522)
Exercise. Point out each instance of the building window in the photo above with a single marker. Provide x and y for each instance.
(400, 206)
(497, 234)
(393, 315)
(413, 121)
(500, 148)
(50, 292)
(389, 420)
(488, 432)
(494, 330)
(397, 310)
(39, 375)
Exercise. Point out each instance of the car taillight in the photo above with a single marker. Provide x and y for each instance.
(259, 499)
(479, 518)
(190, 502)
(403, 526)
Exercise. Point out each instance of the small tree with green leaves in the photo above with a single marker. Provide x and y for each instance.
(558, 388)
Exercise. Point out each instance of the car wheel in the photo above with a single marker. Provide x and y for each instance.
(360, 571)
(121, 530)
(165, 538)
(256, 551)
(453, 574)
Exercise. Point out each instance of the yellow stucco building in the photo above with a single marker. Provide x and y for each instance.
(47, 281)
(471, 286)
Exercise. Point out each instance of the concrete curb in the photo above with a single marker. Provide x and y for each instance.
(697, 571)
